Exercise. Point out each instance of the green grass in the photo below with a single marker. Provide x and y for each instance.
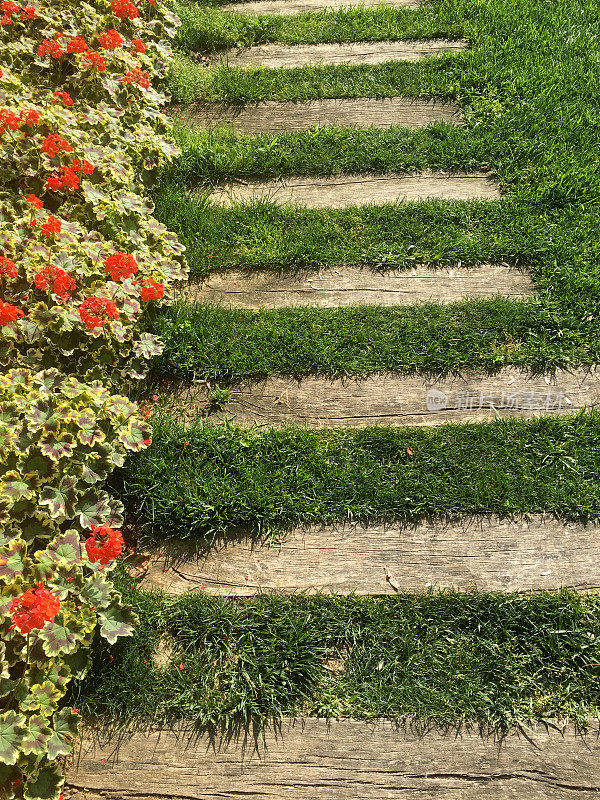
(206, 480)
(530, 93)
(204, 341)
(207, 29)
(493, 658)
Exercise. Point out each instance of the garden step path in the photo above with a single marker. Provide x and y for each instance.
(389, 399)
(288, 7)
(305, 55)
(290, 116)
(356, 190)
(318, 759)
(486, 553)
(349, 286)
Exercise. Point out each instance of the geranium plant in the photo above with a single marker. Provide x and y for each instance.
(81, 261)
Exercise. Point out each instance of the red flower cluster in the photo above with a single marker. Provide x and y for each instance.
(95, 312)
(34, 200)
(64, 96)
(52, 226)
(152, 290)
(9, 313)
(93, 59)
(50, 47)
(86, 167)
(55, 278)
(104, 544)
(55, 144)
(124, 9)
(137, 76)
(66, 178)
(120, 266)
(77, 44)
(140, 47)
(7, 267)
(8, 9)
(111, 40)
(11, 121)
(33, 609)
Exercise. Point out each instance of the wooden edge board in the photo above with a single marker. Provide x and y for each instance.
(351, 286)
(344, 191)
(274, 116)
(317, 401)
(303, 55)
(289, 7)
(484, 553)
(317, 759)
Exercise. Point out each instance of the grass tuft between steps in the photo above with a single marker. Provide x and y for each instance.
(207, 479)
(493, 658)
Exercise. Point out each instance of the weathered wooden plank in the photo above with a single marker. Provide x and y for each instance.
(357, 190)
(387, 399)
(316, 759)
(288, 116)
(289, 7)
(349, 286)
(304, 55)
(489, 554)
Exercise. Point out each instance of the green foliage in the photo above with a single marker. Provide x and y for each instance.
(82, 260)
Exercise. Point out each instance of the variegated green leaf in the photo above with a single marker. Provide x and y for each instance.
(12, 560)
(46, 785)
(116, 620)
(13, 729)
(37, 736)
(66, 725)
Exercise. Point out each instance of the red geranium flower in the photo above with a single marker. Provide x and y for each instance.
(137, 76)
(93, 59)
(8, 7)
(152, 290)
(33, 609)
(54, 144)
(31, 117)
(95, 312)
(28, 12)
(51, 48)
(104, 545)
(66, 178)
(111, 40)
(52, 226)
(120, 266)
(77, 44)
(85, 167)
(64, 96)
(55, 278)
(34, 200)
(9, 313)
(7, 267)
(9, 120)
(140, 47)
(124, 9)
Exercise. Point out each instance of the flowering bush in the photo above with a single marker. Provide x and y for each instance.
(81, 260)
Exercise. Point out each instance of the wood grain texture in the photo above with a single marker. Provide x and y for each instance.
(350, 286)
(388, 399)
(358, 190)
(289, 7)
(288, 116)
(312, 759)
(304, 55)
(489, 554)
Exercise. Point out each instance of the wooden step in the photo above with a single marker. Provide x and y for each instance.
(289, 116)
(485, 553)
(357, 190)
(288, 7)
(350, 286)
(385, 399)
(318, 759)
(305, 55)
